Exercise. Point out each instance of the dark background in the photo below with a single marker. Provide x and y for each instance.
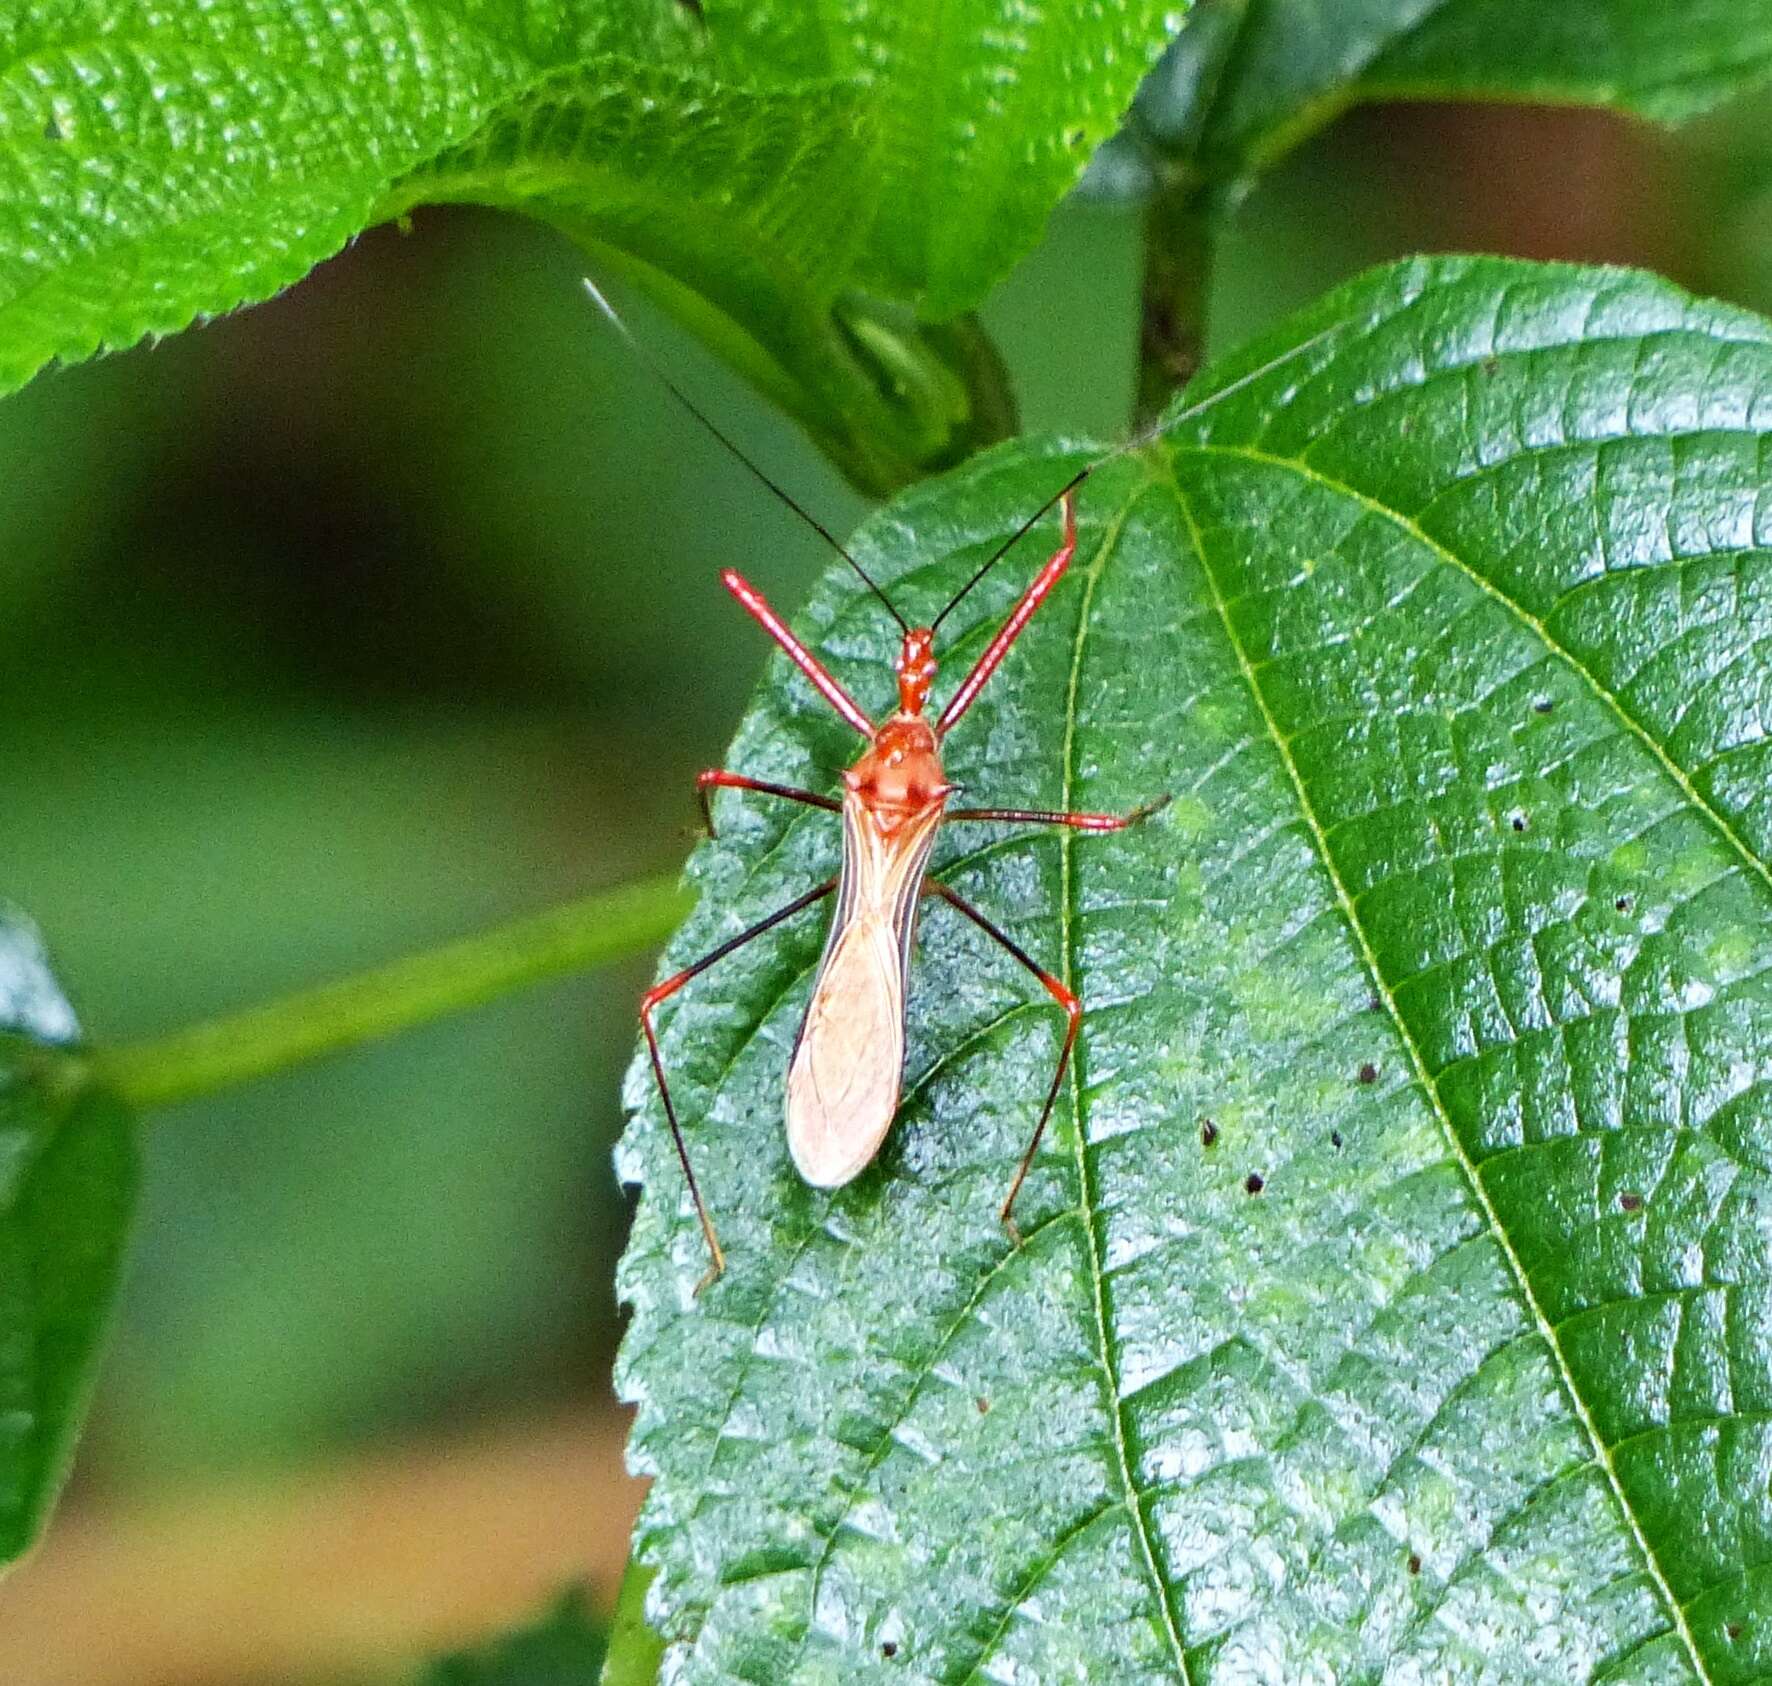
(388, 610)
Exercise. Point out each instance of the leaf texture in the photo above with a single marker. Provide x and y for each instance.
(1247, 79)
(164, 161)
(986, 115)
(1395, 1302)
(758, 172)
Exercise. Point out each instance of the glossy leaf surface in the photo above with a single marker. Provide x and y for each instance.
(161, 162)
(1444, 1353)
(1243, 83)
(67, 1192)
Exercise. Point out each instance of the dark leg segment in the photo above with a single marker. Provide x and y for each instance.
(1073, 1011)
(1050, 816)
(663, 992)
(718, 778)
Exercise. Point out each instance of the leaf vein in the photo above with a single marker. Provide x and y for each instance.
(1429, 1089)
(1452, 559)
(1087, 1199)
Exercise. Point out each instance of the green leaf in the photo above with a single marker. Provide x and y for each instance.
(158, 165)
(986, 115)
(1244, 83)
(67, 1193)
(564, 1648)
(1444, 1354)
(743, 212)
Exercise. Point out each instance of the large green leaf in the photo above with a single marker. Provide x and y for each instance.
(759, 171)
(67, 1191)
(1445, 1353)
(1244, 82)
(157, 163)
(160, 164)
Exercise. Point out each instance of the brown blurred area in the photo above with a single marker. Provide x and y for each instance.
(343, 1570)
(362, 620)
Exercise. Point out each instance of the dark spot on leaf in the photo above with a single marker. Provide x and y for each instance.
(1368, 1073)
(982, 1403)
(1543, 706)
(1414, 1564)
(888, 1649)
(1517, 820)
(1373, 1004)
(1208, 1132)
(1075, 136)
(1335, 1138)
(1254, 1183)
(1622, 904)
(1631, 1202)
(1492, 365)
(1732, 1630)
(52, 131)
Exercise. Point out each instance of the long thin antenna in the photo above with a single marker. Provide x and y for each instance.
(650, 363)
(1137, 442)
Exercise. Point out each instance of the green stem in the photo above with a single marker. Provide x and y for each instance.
(1178, 230)
(224, 1052)
(635, 1651)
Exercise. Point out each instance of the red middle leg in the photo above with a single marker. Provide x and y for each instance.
(1057, 816)
(717, 778)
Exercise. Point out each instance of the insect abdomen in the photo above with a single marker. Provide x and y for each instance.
(844, 1081)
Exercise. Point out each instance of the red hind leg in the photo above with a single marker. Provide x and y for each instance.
(1073, 1013)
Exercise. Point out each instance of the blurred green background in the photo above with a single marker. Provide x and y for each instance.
(386, 611)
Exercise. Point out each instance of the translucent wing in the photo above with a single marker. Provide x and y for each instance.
(848, 1065)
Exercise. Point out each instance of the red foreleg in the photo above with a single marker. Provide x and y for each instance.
(1019, 616)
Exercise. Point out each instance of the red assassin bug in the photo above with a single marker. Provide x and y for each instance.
(847, 1066)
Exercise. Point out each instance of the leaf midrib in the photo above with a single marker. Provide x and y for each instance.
(1545, 1329)
(1069, 917)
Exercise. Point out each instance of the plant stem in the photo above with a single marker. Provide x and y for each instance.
(635, 1651)
(239, 1047)
(1178, 228)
